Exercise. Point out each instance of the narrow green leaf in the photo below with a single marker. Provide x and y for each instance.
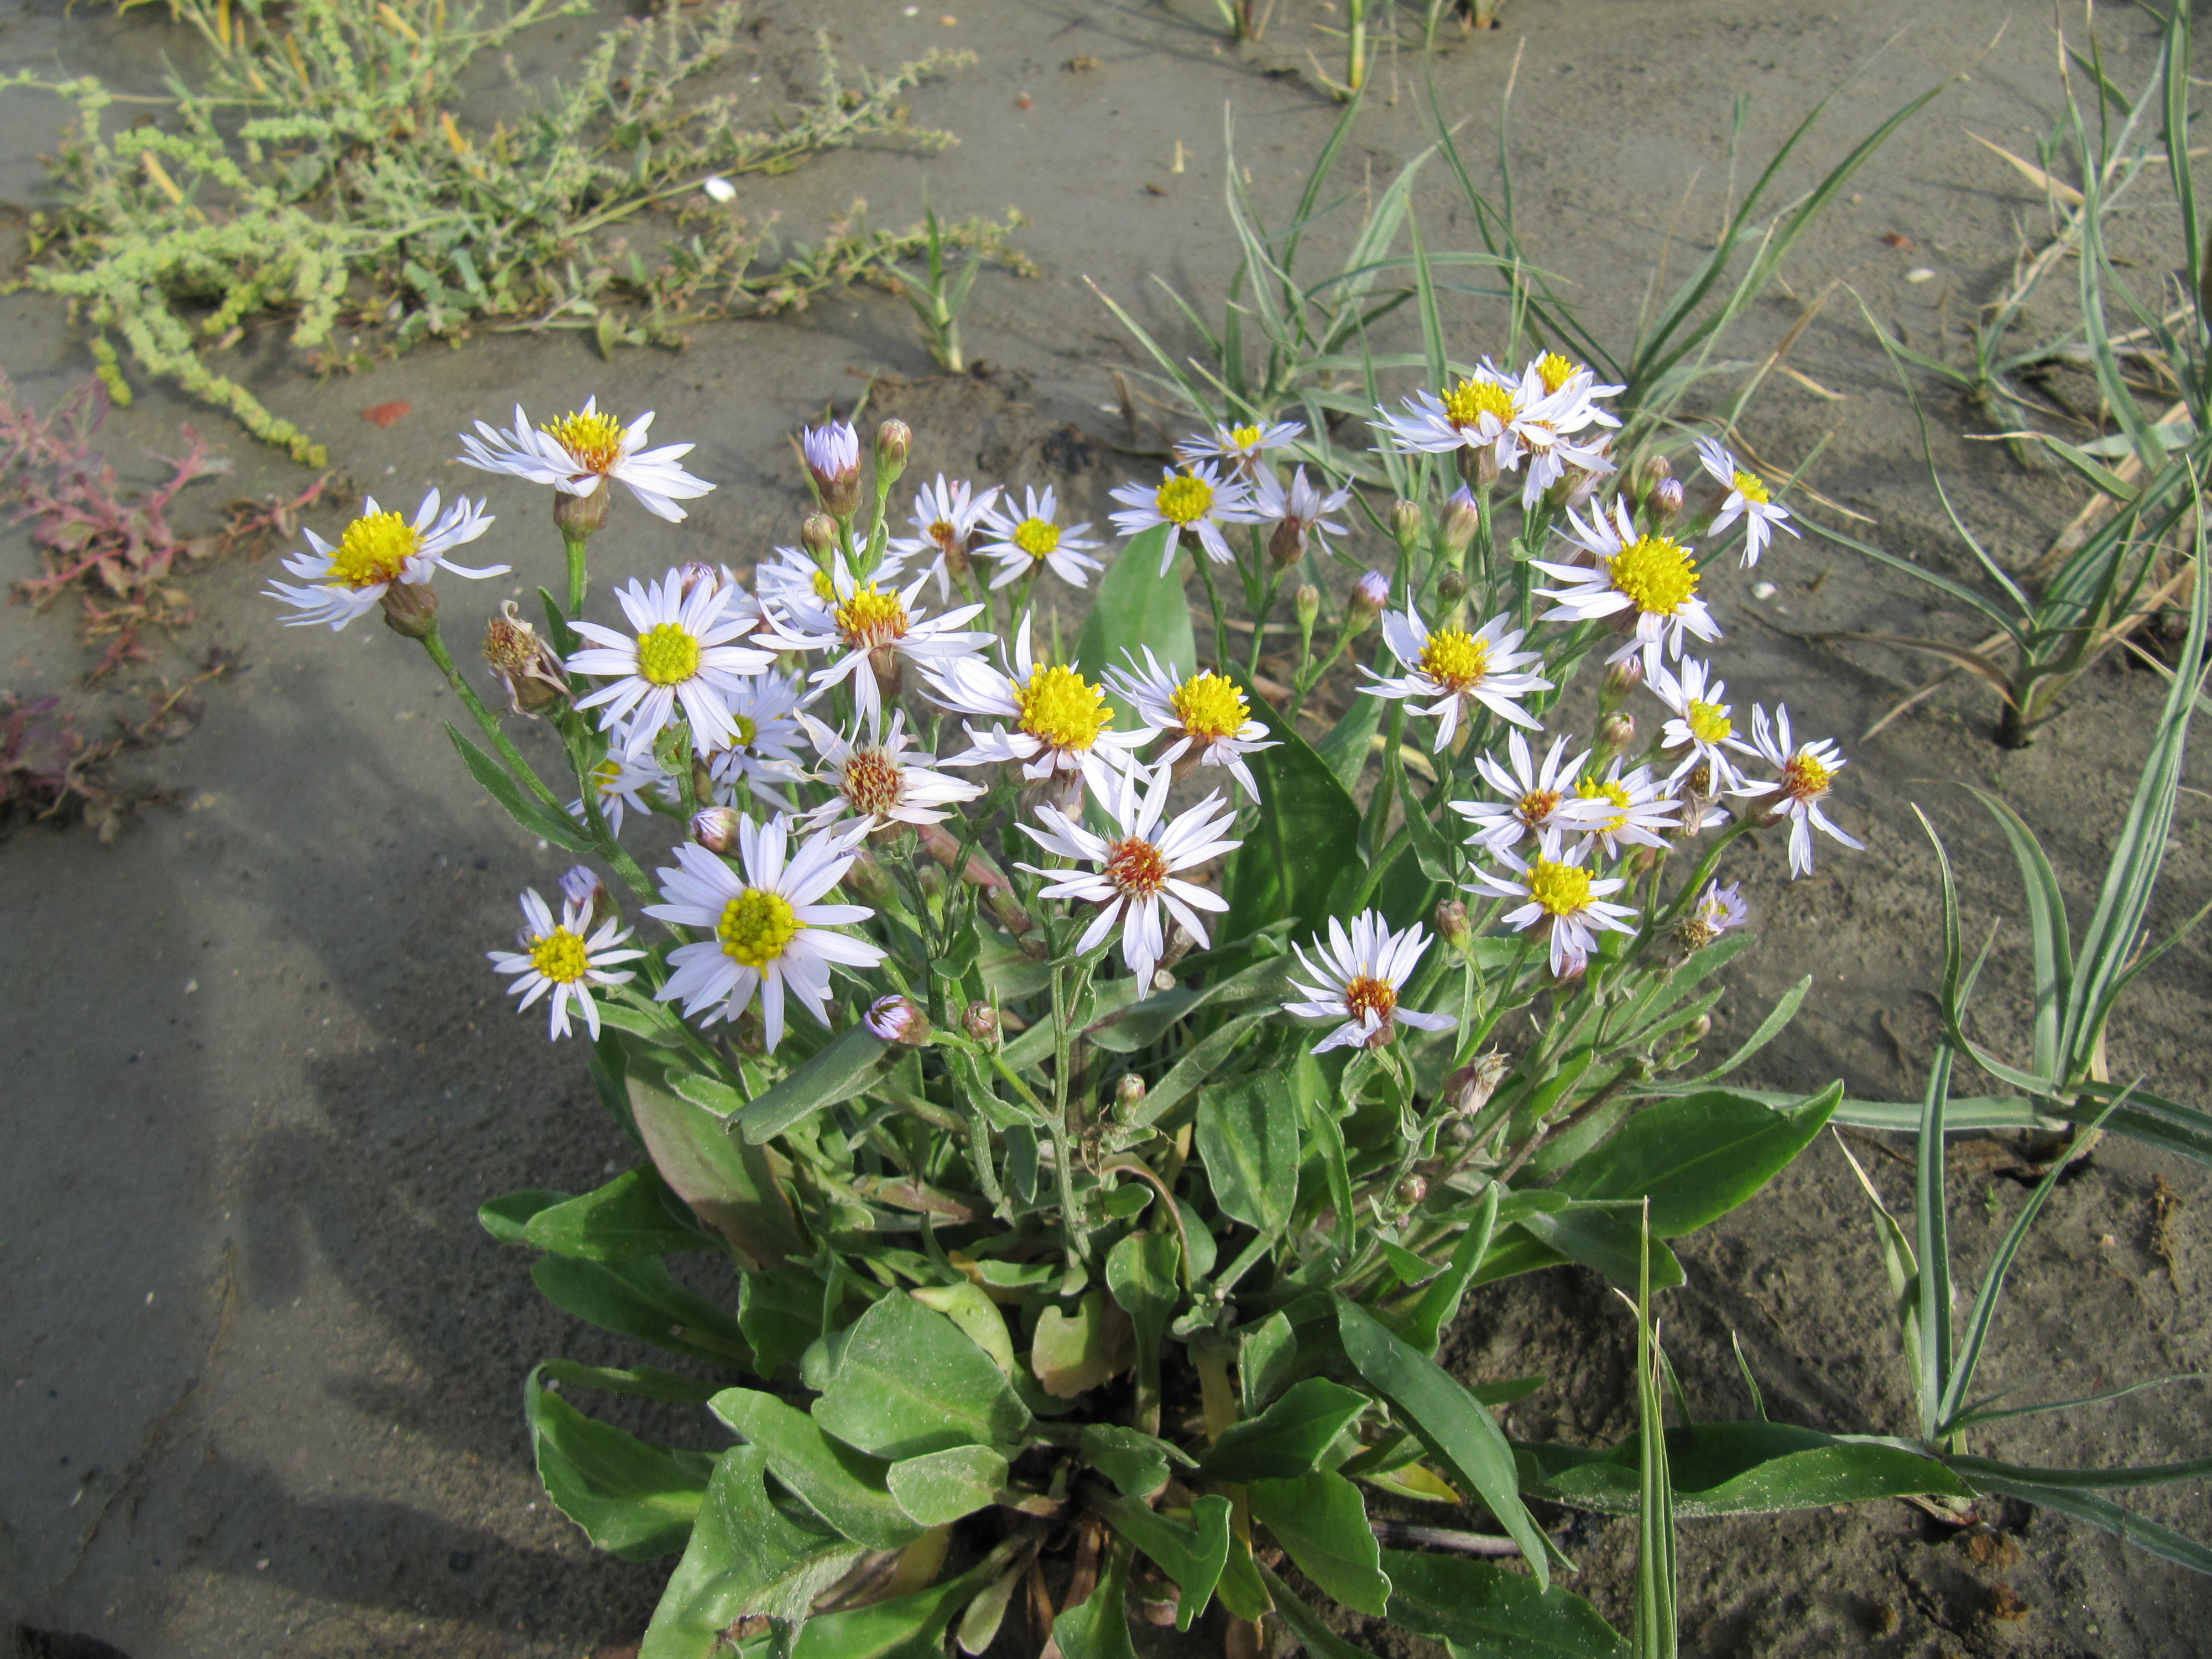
(640, 1299)
(2127, 1527)
(1699, 1156)
(506, 1218)
(1784, 1010)
(1736, 1468)
(2046, 918)
(1192, 1554)
(624, 1220)
(526, 809)
(644, 1382)
(1099, 1627)
(838, 1073)
(1932, 1246)
(1439, 1303)
(1290, 1439)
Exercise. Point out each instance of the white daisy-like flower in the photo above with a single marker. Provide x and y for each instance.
(876, 632)
(763, 748)
(770, 932)
(625, 783)
(1701, 727)
(1451, 670)
(1807, 771)
(1648, 582)
(379, 548)
(1534, 799)
(1473, 415)
(947, 516)
(1717, 909)
(1562, 897)
(793, 582)
(1556, 400)
(1360, 974)
(583, 449)
(1296, 512)
(1022, 544)
(1629, 809)
(679, 654)
(1556, 375)
(877, 779)
(1206, 713)
(1747, 499)
(1197, 501)
(1135, 877)
(1059, 717)
(1240, 445)
(558, 957)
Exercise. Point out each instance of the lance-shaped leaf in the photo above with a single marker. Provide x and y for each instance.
(641, 1299)
(729, 1185)
(1321, 1519)
(1287, 1440)
(1193, 1554)
(941, 1487)
(910, 1381)
(846, 1488)
(1699, 1156)
(838, 1073)
(1248, 1135)
(636, 1500)
(1738, 1469)
(624, 1220)
(1485, 1612)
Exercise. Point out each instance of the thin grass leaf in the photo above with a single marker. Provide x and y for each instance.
(1655, 1637)
(2120, 1480)
(1931, 1228)
(1750, 1382)
(1958, 591)
(1975, 1414)
(1899, 1263)
(2173, 79)
(2046, 920)
(1784, 1010)
(1959, 656)
(2128, 1526)
(1175, 375)
(1432, 327)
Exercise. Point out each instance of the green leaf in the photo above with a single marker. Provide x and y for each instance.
(1135, 606)
(729, 1186)
(746, 1557)
(904, 1627)
(1248, 1139)
(1192, 1554)
(1265, 1356)
(526, 809)
(504, 1218)
(645, 1382)
(636, 1500)
(941, 1487)
(1602, 1236)
(1135, 1461)
(1305, 839)
(1099, 1628)
(2123, 1524)
(1241, 1590)
(624, 1220)
(781, 1314)
(978, 1317)
(1737, 1469)
(1072, 1351)
(1290, 1439)
(1977, 1469)
(1141, 1271)
(1459, 1433)
(1699, 1156)
(1345, 747)
(911, 1382)
(1654, 1634)
(1318, 1638)
(640, 1299)
(1486, 1613)
(838, 1073)
(846, 1488)
(1320, 1520)
(1439, 1303)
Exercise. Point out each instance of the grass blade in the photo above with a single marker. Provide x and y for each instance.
(1655, 1507)
(2127, 1527)
(1931, 1230)
(2046, 920)
(1975, 1415)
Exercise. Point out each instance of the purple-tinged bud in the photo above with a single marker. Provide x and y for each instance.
(1411, 1190)
(894, 438)
(697, 573)
(716, 828)
(579, 517)
(1623, 677)
(1655, 471)
(1288, 544)
(982, 1023)
(1614, 733)
(1405, 521)
(1452, 926)
(1666, 500)
(1461, 518)
(898, 1020)
(1368, 595)
(833, 457)
(411, 610)
(1128, 1093)
(818, 534)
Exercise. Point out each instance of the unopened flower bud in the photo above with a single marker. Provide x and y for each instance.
(1288, 544)
(818, 534)
(1452, 926)
(1667, 500)
(982, 1024)
(1369, 596)
(1623, 677)
(1655, 471)
(1461, 520)
(410, 609)
(1305, 604)
(716, 828)
(1411, 1190)
(578, 517)
(697, 573)
(1614, 733)
(1700, 1028)
(833, 457)
(1451, 588)
(1405, 520)
(898, 1020)
(894, 438)
(1128, 1093)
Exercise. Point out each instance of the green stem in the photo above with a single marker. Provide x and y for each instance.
(1221, 656)
(576, 546)
(525, 773)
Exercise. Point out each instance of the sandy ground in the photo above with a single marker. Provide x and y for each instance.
(265, 1369)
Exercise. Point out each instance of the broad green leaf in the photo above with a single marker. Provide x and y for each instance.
(838, 1073)
(1241, 1590)
(645, 1382)
(1135, 1461)
(525, 809)
(1133, 606)
(1439, 1303)
(1451, 1423)
(910, 1381)
(1290, 1439)
(505, 1217)
(729, 1185)
(746, 1557)
(846, 1488)
(641, 1299)
(1264, 1357)
(1078, 1350)
(781, 1314)
(624, 1220)
(1248, 1135)
(1345, 750)
(943, 1486)
(1306, 838)
(636, 1500)
(1141, 1271)
(1306, 1625)
(1737, 1469)
(1192, 1554)
(978, 1317)
(1486, 1613)
(1099, 1628)
(1320, 1519)
(1604, 1237)
(904, 1627)
(1699, 1156)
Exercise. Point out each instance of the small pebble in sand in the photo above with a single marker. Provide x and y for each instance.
(719, 187)
(1920, 274)
(1762, 590)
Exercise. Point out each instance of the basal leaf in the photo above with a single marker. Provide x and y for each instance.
(846, 1487)
(910, 1381)
(1485, 1612)
(1322, 1520)
(624, 1220)
(940, 1487)
(1287, 1440)
(636, 1500)
(1738, 1469)
(1248, 1135)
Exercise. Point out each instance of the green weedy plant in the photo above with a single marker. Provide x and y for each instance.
(318, 168)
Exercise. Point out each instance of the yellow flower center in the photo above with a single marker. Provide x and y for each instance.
(1037, 538)
(667, 654)
(1804, 778)
(1750, 488)
(605, 775)
(1136, 866)
(1561, 889)
(1244, 436)
(1606, 789)
(824, 589)
(1060, 707)
(873, 781)
(1708, 721)
(1555, 370)
(559, 956)
(747, 730)
(1183, 500)
(1656, 571)
(593, 441)
(1538, 805)
(1455, 659)
(1465, 403)
(1369, 995)
(755, 926)
(374, 548)
(870, 619)
(1210, 706)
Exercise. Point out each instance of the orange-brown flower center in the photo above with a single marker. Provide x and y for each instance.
(1136, 866)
